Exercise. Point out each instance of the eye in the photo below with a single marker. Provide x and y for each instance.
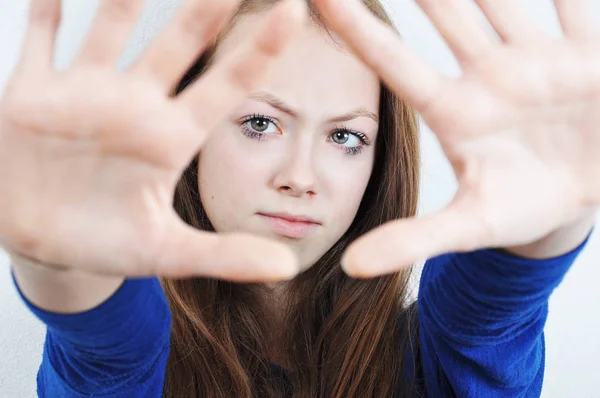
(346, 138)
(262, 125)
(257, 126)
(352, 141)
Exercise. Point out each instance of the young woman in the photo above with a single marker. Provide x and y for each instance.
(301, 162)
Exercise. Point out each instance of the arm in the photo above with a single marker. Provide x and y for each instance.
(105, 336)
(88, 174)
(482, 317)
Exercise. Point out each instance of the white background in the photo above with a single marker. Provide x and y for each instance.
(573, 330)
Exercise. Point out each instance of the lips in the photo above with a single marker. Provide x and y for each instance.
(289, 225)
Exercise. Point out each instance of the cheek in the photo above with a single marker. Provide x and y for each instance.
(226, 180)
(347, 182)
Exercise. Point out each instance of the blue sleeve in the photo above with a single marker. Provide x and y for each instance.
(482, 316)
(118, 349)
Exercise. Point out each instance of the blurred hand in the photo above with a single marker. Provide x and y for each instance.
(90, 158)
(520, 127)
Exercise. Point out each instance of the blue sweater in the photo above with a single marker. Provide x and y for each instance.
(481, 318)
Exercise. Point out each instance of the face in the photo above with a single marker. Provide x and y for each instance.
(293, 161)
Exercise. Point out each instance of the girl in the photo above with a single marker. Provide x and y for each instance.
(307, 160)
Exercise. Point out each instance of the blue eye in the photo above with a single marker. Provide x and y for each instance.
(257, 126)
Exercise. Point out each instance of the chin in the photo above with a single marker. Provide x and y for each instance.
(307, 262)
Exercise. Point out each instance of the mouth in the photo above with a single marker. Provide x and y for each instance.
(289, 225)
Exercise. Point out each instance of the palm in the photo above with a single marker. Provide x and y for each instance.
(519, 131)
(108, 179)
(519, 127)
(90, 158)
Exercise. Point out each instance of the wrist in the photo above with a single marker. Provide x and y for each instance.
(31, 263)
(560, 241)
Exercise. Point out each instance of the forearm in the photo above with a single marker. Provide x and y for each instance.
(62, 291)
(558, 242)
(489, 294)
(106, 337)
(118, 349)
(483, 313)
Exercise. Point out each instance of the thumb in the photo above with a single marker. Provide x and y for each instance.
(401, 243)
(189, 252)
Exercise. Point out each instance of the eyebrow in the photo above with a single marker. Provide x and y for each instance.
(276, 103)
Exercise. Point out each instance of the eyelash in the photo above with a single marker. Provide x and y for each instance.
(351, 151)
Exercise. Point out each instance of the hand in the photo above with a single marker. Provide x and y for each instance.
(90, 158)
(520, 127)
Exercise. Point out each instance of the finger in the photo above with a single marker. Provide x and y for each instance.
(576, 19)
(193, 29)
(457, 23)
(379, 46)
(236, 257)
(229, 81)
(110, 32)
(44, 19)
(402, 243)
(509, 20)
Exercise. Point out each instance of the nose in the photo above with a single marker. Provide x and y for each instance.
(296, 175)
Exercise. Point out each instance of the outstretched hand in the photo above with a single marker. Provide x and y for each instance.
(90, 158)
(520, 127)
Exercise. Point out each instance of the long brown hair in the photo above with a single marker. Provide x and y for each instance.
(347, 337)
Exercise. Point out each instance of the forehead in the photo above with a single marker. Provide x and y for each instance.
(315, 74)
